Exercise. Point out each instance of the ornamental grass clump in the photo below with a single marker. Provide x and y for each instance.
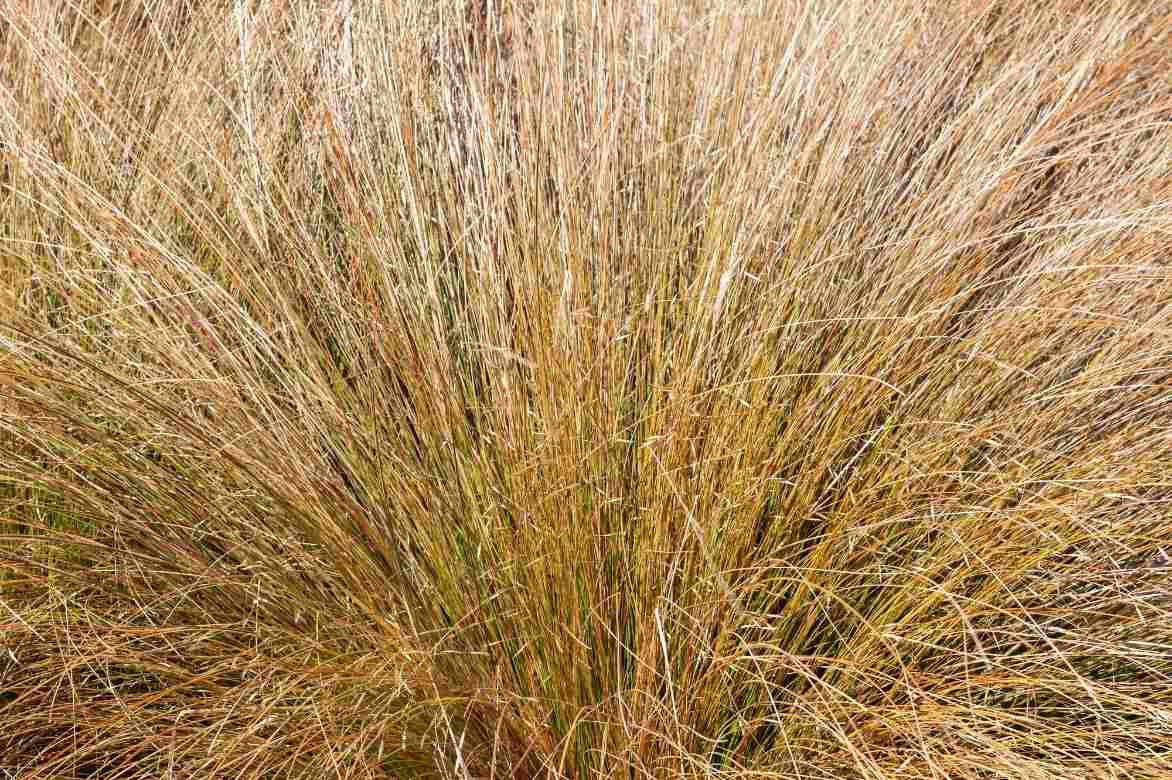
(517, 389)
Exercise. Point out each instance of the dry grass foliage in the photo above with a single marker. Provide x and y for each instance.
(671, 388)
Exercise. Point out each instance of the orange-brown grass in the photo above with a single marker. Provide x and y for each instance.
(774, 389)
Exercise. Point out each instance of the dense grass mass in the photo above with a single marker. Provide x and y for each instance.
(642, 389)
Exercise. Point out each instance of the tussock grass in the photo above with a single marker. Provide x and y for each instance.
(519, 390)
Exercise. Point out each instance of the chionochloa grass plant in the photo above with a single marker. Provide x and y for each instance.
(586, 390)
